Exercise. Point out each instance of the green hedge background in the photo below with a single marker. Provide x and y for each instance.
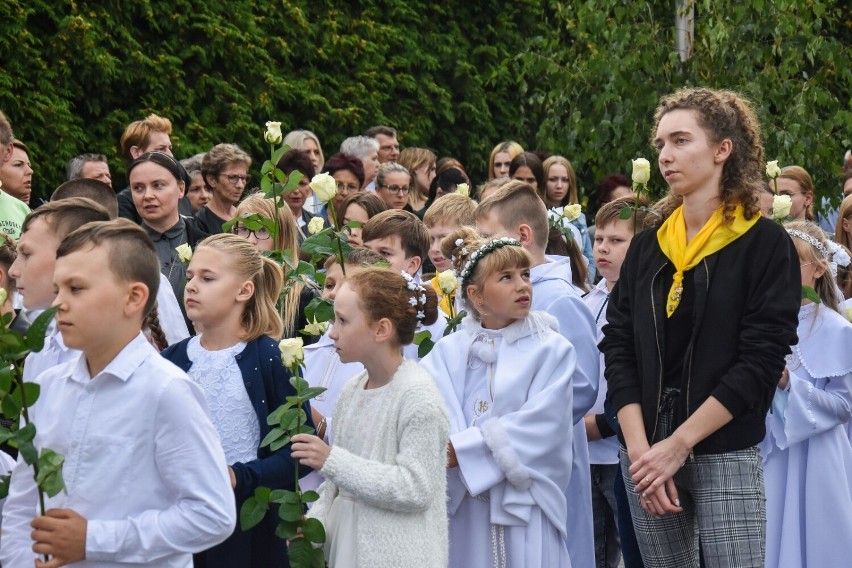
(578, 78)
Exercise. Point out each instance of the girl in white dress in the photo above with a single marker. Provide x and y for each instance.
(807, 456)
(383, 502)
(230, 294)
(506, 380)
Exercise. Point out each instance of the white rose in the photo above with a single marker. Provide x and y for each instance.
(324, 186)
(292, 351)
(184, 252)
(315, 225)
(273, 133)
(463, 189)
(781, 206)
(316, 328)
(772, 169)
(641, 171)
(572, 212)
(447, 282)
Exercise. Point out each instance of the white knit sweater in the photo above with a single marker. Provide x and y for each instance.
(400, 489)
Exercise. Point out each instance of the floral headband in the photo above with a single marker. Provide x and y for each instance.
(834, 254)
(418, 299)
(489, 247)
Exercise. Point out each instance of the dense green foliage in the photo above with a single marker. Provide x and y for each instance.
(580, 78)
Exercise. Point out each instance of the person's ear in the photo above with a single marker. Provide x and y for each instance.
(246, 291)
(137, 297)
(383, 330)
(525, 235)
(845, 224)
(211, 185)
(135, 152)
(182, 188)
(413, 265)
(723, 151)
(820, 269)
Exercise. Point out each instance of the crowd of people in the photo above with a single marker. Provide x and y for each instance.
(659, 384)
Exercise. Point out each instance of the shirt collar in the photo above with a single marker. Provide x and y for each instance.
(122, 366)
(170, 234)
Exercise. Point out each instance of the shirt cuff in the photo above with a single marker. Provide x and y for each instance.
(101, 540)
(479, 471)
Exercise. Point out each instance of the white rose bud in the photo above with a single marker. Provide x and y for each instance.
(572, 212)
(447, 282)
(292, 351)
(641, 171)
(316, 328)
(781, 205)
(463, 189)
(184, 252)
(273, 133)
(772, 169)
(324, 186)
(315, 225)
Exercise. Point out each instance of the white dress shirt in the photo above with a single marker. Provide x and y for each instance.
(143, 464)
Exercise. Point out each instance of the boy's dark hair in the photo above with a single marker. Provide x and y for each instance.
(374, 131)
(132, 257)
(95, 190)
(611, 211)
(67, 215)
(412, 233)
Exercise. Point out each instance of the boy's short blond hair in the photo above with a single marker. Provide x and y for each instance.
(66, 215)
(453, 210)
(611, 212)
(517, 203)
(413, 237)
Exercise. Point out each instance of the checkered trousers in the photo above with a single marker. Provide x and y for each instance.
(723, 506)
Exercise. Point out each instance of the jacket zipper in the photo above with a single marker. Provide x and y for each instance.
(691, 352)
(659, 355)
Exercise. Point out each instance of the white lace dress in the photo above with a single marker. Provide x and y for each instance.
(357, 435)
(228, 403)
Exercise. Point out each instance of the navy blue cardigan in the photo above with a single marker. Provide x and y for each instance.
(268, 385)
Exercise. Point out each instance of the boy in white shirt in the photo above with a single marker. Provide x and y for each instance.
(612, 239)
(145, 474)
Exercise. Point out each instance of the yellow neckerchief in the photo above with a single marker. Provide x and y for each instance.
(713, 237)
(443, 299)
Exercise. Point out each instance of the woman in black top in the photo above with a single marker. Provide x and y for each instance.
(700, 320)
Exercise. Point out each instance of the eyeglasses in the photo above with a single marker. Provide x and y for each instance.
(235, 179)
(261, 234)
(347, 186)
(398, 189)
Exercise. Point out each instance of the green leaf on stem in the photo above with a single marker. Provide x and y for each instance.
(49, 477)
(266, 167)
(28, 451)
(809, 293)
(293, 181)
(6, 377)
(274, 435)
(278, 444)
(287, 530)
(37, 330)
(310, 496)
(266, 186)
(299, 384)
(313, 392)
(31, 390)
(283, 496)
(291, 511)
(289, 419)
(10, 408)
(625, 212)
(254, 508)
(277, 153)
(302, 554)
(423, 341)
(4, 485)
(320, 309)
(313, 531)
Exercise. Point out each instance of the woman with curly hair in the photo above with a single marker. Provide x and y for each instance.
(699, 323)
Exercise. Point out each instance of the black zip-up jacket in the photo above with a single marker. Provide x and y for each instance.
(747, 299)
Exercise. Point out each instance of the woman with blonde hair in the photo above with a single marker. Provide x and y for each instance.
(843, 237)
(559, 190)
(501, 157)
(296, 295)
(796, 182)
(307, 141)
(420, 162)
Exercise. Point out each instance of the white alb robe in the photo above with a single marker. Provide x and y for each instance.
(807, 456)
(507, 497)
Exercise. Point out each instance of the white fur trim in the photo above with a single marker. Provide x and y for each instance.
(504, 454)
